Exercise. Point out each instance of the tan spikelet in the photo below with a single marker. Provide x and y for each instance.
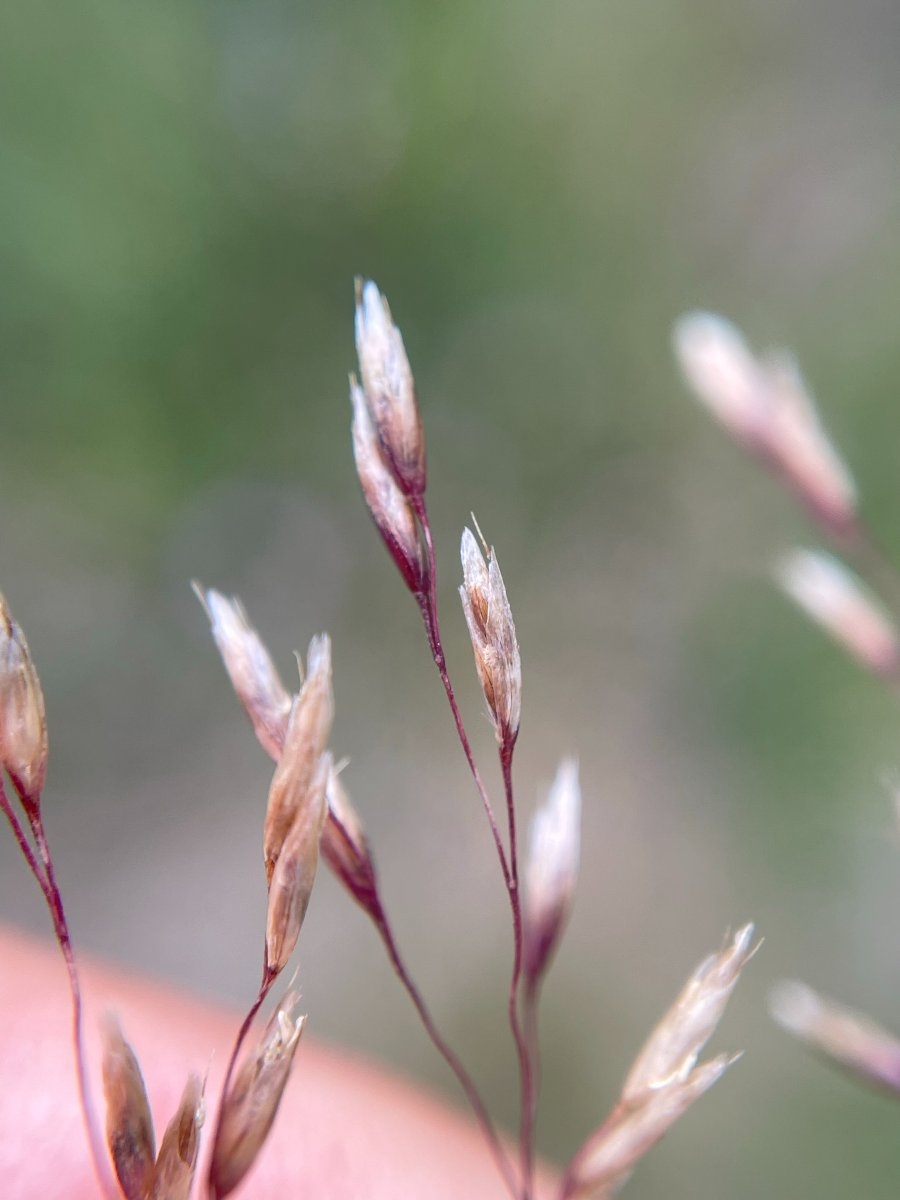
(23, 722)
(387, 382)
(493, 636)
(129, 1125)
(389, 507)
(253, 675)
(307, 736)
(292, 880)
(180, 1146)
(249, 1109)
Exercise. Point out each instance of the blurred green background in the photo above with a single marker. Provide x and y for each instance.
(186, 192)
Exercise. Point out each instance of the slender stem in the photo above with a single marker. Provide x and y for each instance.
(53, 898)
(268, 978)
(27, 853)
(527, 1081)
(447, 1053)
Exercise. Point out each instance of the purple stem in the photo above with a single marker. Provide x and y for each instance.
(46, 880)
(527, 1081)
(446, 1052)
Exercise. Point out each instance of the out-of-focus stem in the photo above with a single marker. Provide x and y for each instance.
(46, 879)
(446, 1052)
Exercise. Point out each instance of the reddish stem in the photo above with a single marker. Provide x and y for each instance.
(446, 1052)
(46, 880)
(527, 1081)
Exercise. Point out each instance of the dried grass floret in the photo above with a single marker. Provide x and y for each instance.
(23, 722)
(251, 1102)
(493, 635)
(253, 675)
(176, 1162)
(129, 1124)
(390, 394)
(307, 736)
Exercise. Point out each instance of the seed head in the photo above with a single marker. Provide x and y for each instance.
(493, 635)
(388, 505)
(389, 390)
(249, 1108)
(253, 675)
(552, 868)
(608, 1157)
(129, 1125)
(294, 874)
(670, 1053)
(835, 599)
(23, 723)
(307, 735)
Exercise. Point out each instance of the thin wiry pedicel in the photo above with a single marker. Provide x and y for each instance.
(493, 636)
(765, 404)
(23, 723)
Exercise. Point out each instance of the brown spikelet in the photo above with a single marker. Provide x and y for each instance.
(294, 874)
(177, 1158)
(23, 723)
(307, 736)
(493, 635)
(251, 1104)
(129, 1125)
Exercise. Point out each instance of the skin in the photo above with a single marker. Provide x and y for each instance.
(345, 1130)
